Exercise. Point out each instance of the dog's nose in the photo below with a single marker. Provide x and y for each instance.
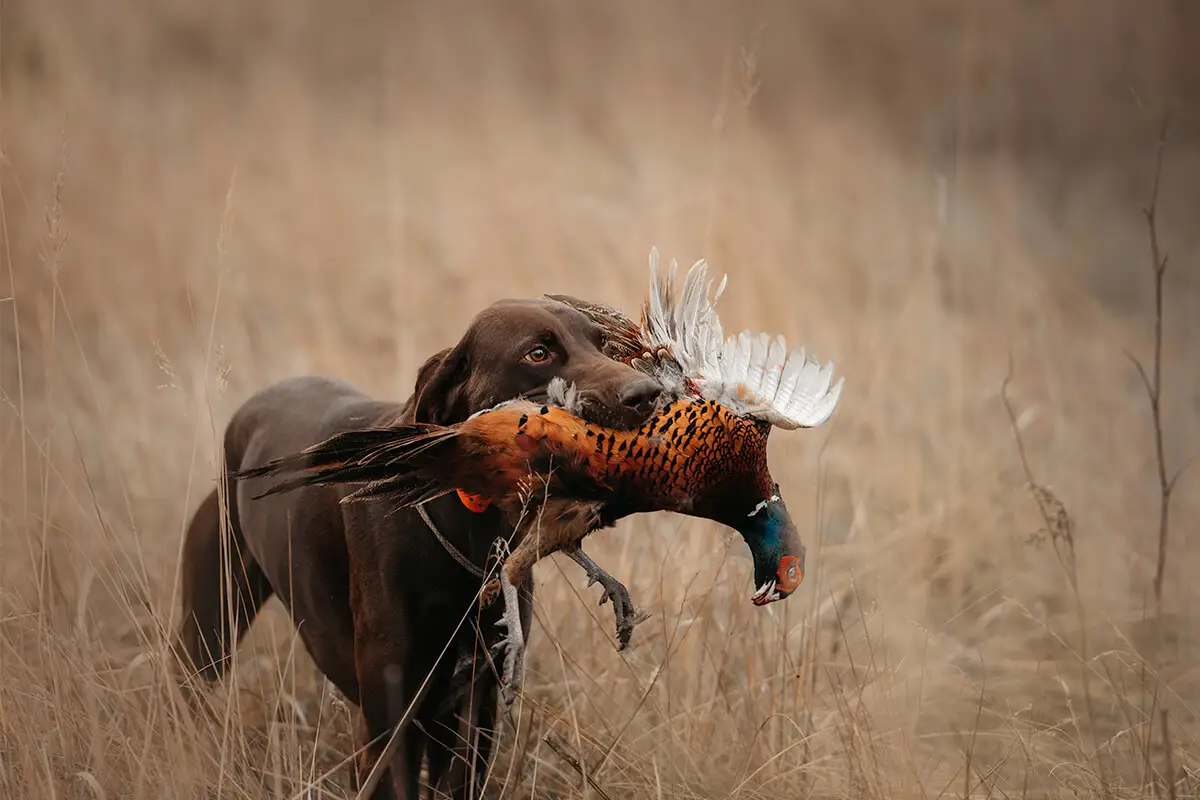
(639, 393)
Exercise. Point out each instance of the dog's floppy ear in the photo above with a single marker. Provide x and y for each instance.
(427, 370)
(439, 396)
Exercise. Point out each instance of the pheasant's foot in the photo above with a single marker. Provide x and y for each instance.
(627, 617)
(514, 642)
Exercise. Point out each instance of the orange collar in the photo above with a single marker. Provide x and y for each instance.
(474, 502)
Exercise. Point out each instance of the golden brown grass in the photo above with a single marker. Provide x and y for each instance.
(199, 200)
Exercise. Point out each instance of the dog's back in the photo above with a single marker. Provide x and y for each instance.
(285, 417)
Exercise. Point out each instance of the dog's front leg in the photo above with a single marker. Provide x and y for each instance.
(626, 615)
(388, 689)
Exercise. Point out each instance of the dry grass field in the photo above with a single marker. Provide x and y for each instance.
(201, 198)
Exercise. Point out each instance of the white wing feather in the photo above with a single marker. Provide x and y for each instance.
(750, 373)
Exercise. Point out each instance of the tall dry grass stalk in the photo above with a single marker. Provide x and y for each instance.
(398, 167)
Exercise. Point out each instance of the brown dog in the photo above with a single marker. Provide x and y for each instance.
(382, 606)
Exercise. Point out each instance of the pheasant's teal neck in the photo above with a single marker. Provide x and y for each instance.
(776, 548)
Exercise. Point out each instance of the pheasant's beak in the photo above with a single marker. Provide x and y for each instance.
(765, 594)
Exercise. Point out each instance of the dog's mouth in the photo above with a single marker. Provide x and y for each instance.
(591, 406)
(583, 406)
(598, 413)
(627, 418)
(537, 397)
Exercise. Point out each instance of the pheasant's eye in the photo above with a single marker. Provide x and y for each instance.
(538, 355)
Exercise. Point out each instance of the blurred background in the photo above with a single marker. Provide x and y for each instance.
(201, 198)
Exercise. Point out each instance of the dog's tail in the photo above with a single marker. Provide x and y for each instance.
(409, 464)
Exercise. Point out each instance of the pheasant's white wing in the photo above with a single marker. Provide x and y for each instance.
(659, 317)
(750, 373)
(687, 323)
(762, 379)
(681, 328)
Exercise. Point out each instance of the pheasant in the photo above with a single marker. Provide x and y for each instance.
(559, 477)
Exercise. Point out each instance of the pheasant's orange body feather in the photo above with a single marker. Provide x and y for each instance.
(694, 457)
(689, 453)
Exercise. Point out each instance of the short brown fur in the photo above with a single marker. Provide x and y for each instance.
(375, 597)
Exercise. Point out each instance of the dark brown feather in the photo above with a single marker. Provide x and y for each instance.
(622, 336)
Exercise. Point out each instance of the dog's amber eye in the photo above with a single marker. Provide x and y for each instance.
(538, 355)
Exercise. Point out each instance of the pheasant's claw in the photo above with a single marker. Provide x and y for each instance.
(512, 678)
(498, 648)
(623, 609)
(627, 616)
(624, 636)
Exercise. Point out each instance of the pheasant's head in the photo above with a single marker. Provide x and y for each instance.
(776, 548)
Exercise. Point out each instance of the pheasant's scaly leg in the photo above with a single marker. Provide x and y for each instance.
(627, 616)
(570, 522)
(514, 643)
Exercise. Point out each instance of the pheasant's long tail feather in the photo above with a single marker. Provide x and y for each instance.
(409, 464)
(339, 451)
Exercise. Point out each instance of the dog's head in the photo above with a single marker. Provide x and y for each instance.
(514, 348)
